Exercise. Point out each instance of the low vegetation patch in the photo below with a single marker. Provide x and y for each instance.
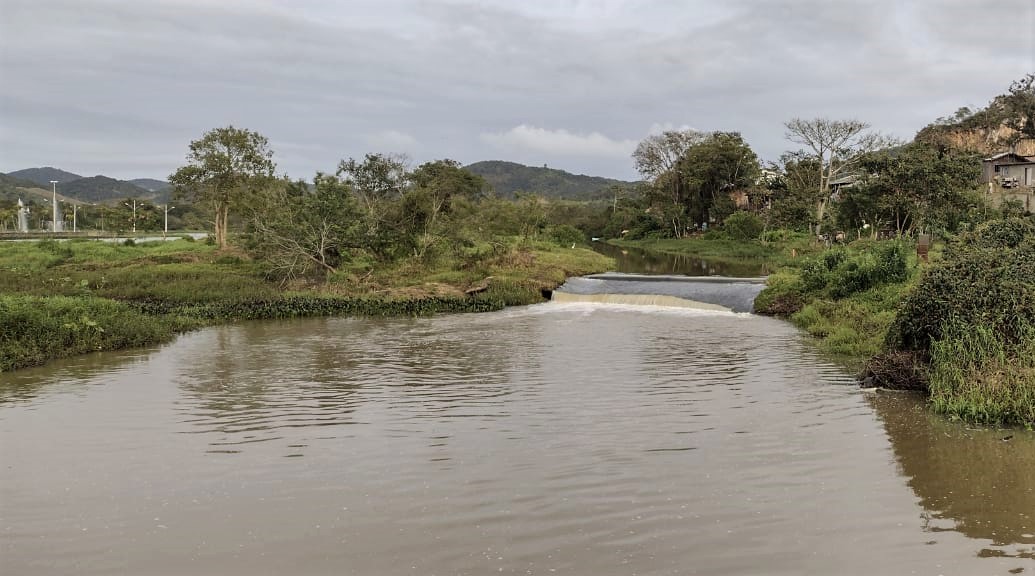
(59, 299)
(962, 330)
(845, 297)
(972, 318)
(36, 329)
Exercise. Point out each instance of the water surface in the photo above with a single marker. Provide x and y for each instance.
(552, 439)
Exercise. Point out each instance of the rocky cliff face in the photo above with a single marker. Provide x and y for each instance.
(984, 141)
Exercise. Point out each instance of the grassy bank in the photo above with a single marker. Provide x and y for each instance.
(65, 298)
(776, 248)
(961, 328)
(845, 297)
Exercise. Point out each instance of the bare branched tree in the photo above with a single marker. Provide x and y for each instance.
(836, 146)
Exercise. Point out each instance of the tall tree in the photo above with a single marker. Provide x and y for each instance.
(223, 166)
(429, 200)
(913, 188)
(298, 228)
(712, 169)
(692, 174)
(836, 146)
(657, 158)
(375, 180)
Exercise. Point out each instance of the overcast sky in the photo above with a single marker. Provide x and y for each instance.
(121, 87)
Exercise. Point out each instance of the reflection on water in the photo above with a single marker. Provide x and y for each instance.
(976, 481)
(636, 261)
(560, 438)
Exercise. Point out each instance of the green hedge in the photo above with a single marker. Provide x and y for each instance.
(36, 329)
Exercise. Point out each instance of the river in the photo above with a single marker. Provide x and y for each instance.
(561, 438)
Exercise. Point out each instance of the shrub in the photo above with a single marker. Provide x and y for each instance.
(743, 226)
(565, 234)
(34, 330)
(977, 376)
(840, 273)
(782, 296)
(976, 284)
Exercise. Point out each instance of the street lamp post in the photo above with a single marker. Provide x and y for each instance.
(134, 214)
(166, 230)
(75, 210)
(54, 220)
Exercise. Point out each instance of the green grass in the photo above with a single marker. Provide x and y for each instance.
(37, 329)
(854, 328)
(63, 298)
(845, 297)
(975, 377)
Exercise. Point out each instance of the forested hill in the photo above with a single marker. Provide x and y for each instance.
(12, 189)
(151, 184)
(104, 189)
(508, 178)
(92, 189)
(44, 175)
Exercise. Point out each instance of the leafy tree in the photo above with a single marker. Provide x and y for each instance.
(1021, 106)
(375, 181)
(714, 168)
(428, 202)
(916, 187)
(298, 229)
(224, 166)
(657, 158)
(791, 193)
(835, 147)
(692, 175)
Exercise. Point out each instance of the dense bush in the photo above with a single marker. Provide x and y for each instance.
(985, 279)
(973, 316)
(783, 295)
(743, 226)
(34, 329)
(841, 273)
(565, 235)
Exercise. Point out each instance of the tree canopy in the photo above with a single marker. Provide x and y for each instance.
(223, 166)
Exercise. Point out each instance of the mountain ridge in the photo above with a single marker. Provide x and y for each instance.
(508, 178)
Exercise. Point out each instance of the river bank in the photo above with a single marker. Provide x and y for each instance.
(957, 328)
(68, 298)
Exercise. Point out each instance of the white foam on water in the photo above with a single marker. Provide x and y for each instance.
(638, 303)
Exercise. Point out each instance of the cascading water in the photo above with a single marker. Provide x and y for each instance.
(702, 292)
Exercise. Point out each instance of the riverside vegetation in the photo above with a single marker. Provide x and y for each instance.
(67, 298)
(960, 328)
(376, 237)
(373, 238)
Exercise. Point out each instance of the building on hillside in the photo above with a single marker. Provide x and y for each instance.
(1010, 176)
(839, 184)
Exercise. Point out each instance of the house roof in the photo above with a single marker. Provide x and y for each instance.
(851, 178)
(1010, 158)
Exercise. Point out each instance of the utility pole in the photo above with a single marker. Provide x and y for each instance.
(54, 202)
(134, 214)
(166, 230)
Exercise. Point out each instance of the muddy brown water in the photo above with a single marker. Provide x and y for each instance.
(563, 438)
(639, 261)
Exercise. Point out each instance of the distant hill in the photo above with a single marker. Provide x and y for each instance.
(507, 178)
(104, 189)
(92, 189)
(44, 175)
(12, 189)
(151, 184)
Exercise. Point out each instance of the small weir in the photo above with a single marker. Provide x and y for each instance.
(700, 292)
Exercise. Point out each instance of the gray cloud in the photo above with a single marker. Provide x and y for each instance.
(122, 87)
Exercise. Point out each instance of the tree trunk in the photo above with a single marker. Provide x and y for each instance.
(821, 208)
